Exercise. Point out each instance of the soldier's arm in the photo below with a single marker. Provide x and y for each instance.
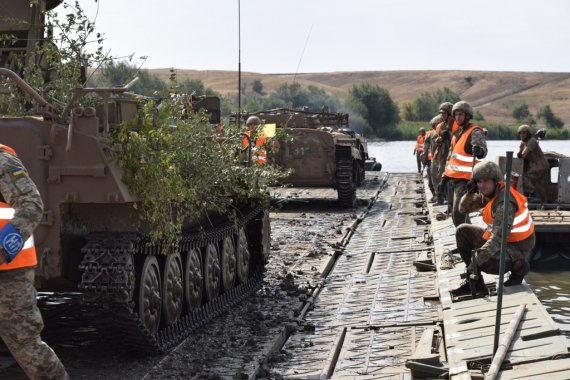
(493, 245)
(478, 138)
(471, 202)
(20, 192)
(530, 146)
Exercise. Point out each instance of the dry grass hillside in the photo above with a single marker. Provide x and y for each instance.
(492, 93)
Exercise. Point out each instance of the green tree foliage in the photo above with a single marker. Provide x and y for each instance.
(550, 119)
(424, 107)
(293, 95)
(120, 73)
(522, 114)
(257, 86)
(374, 104)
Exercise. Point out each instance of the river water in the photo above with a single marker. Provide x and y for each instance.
(551, 286)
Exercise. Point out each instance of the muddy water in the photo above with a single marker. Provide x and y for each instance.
(551, 286)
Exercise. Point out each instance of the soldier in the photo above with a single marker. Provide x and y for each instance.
(536, 167)
(442, 142)
(260, 146)
(419, 148)
(21, 210)
(427, 155)
(467, 143)
(486, 191)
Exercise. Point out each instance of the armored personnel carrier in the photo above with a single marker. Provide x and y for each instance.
(150, 295)
(320, 149)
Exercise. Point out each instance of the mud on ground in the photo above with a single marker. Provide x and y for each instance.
(240, 344)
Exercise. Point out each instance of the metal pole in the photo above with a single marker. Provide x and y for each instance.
(239, 65)
(504, 234)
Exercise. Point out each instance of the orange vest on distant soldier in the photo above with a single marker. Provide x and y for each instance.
(420, 144)
(460, 164)
(258, 151)
(523, 226)
(27, 256)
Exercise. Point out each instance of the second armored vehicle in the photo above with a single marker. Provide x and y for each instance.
(320, 149)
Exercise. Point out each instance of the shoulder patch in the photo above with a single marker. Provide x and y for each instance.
(17, 171)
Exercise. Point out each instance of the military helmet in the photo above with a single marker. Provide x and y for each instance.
(446, 107)
(253, 120)
(463, 106)
(436, 120)
(487, 170)
(422, 130)
(524, 128)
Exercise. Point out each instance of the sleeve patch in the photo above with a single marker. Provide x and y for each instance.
(17, 171)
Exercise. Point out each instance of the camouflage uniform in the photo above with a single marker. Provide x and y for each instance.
(428, 147)
(20, 318)
(458, 184)
(470, 237)
(441, 145)
(536, 169)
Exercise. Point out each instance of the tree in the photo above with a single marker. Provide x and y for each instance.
(424, 107)
(257, 86)
(550, 119)
(374, 104)
(522, 114)
(120, 73)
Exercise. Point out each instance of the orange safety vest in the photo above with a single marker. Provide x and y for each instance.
(460, 163)
(258, 151)
(523, 226)
(454, 127)
(27, 256)
(420, 144)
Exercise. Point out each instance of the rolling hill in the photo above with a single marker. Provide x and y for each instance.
(492, 93)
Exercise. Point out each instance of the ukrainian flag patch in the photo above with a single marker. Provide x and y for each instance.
(17, 171)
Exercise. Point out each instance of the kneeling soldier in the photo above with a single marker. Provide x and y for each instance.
(486, 191)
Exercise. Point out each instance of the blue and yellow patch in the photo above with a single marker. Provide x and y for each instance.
(17, 171)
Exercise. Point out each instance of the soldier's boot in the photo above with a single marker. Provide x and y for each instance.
(440, 201)
(465, 288)
(519, 269)
(512, 281)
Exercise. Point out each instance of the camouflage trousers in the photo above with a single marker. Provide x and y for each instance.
(429, 177)
(21, 324)
(458, 186)
(470, 237)
(534, 184)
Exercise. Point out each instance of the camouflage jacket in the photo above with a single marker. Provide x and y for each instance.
(475, 202)
(20, 192)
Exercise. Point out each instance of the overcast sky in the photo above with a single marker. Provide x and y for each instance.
(340, 35)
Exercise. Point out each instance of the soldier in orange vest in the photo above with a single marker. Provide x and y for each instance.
(427, 155)
(419, 148)
(260, 144)
(441, 145)
(487, 191)
(467, 142)
(21, 210)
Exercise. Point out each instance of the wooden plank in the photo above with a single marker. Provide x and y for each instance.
(553, 369)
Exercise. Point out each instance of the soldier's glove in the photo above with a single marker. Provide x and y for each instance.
(472, 186)
(519, 155)
(11, 242)
(478, 151)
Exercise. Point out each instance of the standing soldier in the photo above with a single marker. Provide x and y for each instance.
(427, 155)
(21, 210)
(486, 191)
(536, 166)
(442, 143)
(468, 143)
(419, 148)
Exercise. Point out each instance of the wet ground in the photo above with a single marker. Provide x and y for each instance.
(242, 343)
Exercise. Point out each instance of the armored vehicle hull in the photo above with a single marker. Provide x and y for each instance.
(320, 150)
(148, 295)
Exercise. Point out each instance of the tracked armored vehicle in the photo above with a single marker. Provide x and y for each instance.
(320, 149)
(148, 296)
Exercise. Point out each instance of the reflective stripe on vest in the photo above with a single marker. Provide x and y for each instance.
(460, 163)
(27, 257)
(420, 144)
(523, 226)
(258, 151)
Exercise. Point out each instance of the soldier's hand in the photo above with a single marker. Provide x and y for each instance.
(477, 151)
(472, 186)
(519, 155)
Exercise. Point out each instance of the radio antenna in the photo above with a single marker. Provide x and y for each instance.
(239, 65)
(302, 53)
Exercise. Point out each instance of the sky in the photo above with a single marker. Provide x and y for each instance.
(302, 36)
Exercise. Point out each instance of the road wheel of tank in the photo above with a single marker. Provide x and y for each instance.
(193, 280)
(229, 262)
(149, 295)
(243, 257)
(172, 289)
(212, 271)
